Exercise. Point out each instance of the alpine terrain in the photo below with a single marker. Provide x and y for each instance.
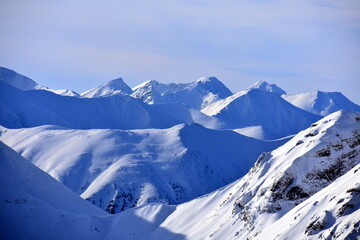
(177, 161)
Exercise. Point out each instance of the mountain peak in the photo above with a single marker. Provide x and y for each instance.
(208, 79)
(112, 87)
(266, 87)
(17, 80)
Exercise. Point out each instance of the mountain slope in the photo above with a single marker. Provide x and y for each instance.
(117, 170)
(196, 95)
(38, 107)
(112, 87)
(332, 213)
(278, 182)
(258, 108)
(322, 103)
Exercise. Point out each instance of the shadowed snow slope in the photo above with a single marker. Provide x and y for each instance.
(35, 206)
(196, 95)
(322, 103)
(17, 80)
(280, 181)
(258, 108)
(115, 86)
(117, 170)
(32, 108)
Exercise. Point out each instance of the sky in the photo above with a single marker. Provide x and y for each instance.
(299, 45)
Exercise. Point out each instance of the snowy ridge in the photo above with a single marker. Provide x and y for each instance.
(117, 170)
(38, 107)
(322, 103)
(196, 95)
(266, 87)
(258, 108)
(116, 86)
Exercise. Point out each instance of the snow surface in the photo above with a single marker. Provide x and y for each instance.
(116, 86)
(117, 170)
(197, 95)
(322, 103)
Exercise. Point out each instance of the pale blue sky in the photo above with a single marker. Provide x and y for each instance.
(299, 45)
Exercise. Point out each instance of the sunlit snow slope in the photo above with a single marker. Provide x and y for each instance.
(322, 103)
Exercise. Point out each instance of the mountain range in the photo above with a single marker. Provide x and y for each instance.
(177, 161)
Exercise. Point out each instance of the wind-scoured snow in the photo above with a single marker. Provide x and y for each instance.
(332, 213)
(116, 86)
(195, 95)
(259, 108)
(322, 103)
(117, 170)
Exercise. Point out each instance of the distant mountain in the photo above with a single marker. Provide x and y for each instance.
(259, 108)
(32, 108)
(196, 95)
(266, 87)
(117, 170)
(322, 103)
(17, 80)
(115, 86)
(24, 83)
(303, 190)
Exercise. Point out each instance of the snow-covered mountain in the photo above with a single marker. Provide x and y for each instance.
(260, 108)
(24, 83)
(19, 108)
(117, 170)
(112, 87)
(35, 206)
(308, 188)
(321, 103)
(196, 94)
(278, 190)
(266, 87)
(17, 80)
